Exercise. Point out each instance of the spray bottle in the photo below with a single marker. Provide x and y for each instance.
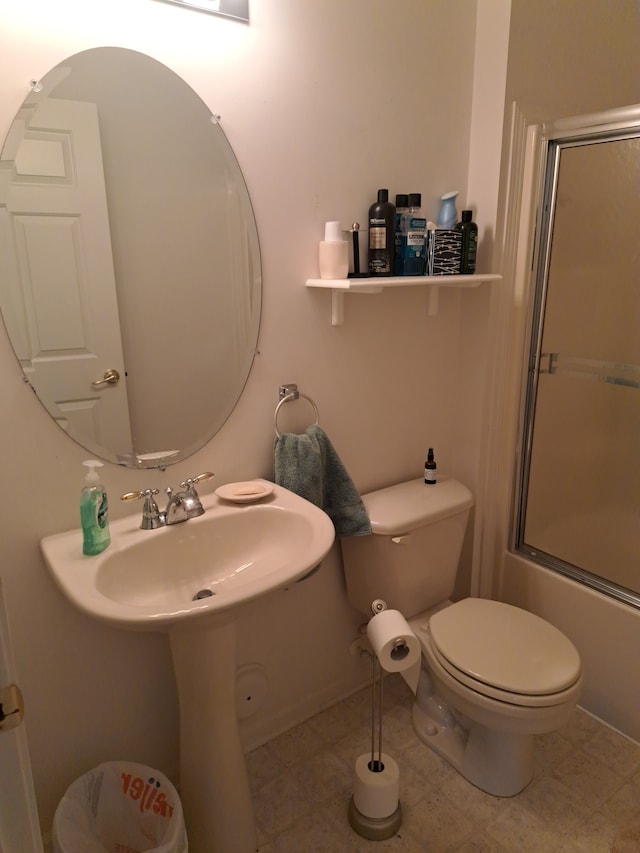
(430, 469)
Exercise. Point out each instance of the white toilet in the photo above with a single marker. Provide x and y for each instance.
(493, 675)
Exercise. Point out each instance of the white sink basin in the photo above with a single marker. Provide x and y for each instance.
(147, 579)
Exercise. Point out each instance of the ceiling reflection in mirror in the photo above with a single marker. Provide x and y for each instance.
(131, 289)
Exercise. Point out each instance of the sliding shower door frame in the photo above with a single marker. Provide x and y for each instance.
(613, 125)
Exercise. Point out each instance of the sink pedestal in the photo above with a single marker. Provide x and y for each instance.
(214, 787)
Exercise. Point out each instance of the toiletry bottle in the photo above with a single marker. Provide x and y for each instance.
(448, 215)
(469, 231)
(94, 512)
(414, 238)
(333, 252)
(430, 469)
(402, 207)
(381, 235)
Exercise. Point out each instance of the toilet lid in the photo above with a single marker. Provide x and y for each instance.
(505, 647)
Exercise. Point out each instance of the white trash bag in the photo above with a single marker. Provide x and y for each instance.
(120, 807)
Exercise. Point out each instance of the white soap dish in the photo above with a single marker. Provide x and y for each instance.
(246, 492)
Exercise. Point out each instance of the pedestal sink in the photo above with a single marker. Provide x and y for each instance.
(188, 580)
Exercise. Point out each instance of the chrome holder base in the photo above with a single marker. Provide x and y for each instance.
(372, 828)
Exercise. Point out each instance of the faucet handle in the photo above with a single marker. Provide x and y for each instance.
(151, 515)
(132, 496)
(193, 481)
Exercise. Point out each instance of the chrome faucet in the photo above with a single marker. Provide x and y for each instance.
(181, 505)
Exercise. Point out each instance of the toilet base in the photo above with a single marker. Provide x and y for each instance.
(499, 763)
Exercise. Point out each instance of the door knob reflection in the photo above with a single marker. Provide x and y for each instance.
(111, 377)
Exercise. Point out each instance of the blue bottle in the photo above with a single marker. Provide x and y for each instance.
(414, 238)
(402, 207)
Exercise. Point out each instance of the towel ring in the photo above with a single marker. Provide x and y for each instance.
(287, 394)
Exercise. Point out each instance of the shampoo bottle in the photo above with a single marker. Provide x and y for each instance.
(94, 512)
(430, 469)
(469, 231)
(382, 217)
(333, 253)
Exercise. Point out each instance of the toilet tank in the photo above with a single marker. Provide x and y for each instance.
(411, 558)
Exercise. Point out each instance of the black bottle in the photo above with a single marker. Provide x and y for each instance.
(382, 217)
(430, 469)
(469, 231)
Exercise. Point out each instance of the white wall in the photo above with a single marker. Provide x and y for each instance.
(323, 103)
(565, 58)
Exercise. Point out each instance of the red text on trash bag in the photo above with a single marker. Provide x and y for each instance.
(147, 792)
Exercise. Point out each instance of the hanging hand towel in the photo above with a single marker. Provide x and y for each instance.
(309, 466)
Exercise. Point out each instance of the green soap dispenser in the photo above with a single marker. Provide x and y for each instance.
(94, 512)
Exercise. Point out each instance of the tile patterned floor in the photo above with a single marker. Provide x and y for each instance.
(584, 798)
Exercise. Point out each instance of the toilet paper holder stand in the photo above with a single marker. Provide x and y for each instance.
(373, 827)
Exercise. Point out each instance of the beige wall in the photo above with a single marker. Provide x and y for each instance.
(323, 103)
(565, 59)
(570, 57)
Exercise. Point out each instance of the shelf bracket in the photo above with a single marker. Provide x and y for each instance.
(433, 294)
(337, 307)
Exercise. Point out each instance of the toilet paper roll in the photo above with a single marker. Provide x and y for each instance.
(395, 645)
(375, 795)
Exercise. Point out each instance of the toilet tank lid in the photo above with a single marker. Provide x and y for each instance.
(407, 506)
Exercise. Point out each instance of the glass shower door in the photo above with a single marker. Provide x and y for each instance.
(579, 510)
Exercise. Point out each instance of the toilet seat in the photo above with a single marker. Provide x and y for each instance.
(504, 652)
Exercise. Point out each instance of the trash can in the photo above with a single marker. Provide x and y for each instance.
(120, 807)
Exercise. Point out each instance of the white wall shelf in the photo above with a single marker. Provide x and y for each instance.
(339, 287)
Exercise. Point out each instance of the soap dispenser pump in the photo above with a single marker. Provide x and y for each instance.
(94, 512)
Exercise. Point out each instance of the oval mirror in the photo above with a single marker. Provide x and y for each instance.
(131, 284)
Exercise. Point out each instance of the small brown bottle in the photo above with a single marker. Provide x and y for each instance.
(430, 469)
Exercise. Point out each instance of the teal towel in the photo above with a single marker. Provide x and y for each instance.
(309, 466)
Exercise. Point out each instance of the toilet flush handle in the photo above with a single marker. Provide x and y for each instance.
(400, 540)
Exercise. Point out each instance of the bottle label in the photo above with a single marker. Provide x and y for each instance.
(102, 515)
(416, 223)
(472, 249)
(377, 235)
(379, 266)
(415, 240)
